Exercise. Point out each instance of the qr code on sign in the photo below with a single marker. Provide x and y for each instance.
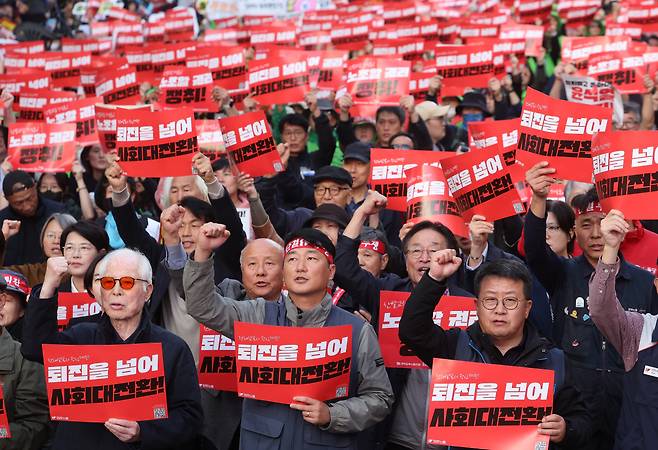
(4, 433)
(541, 445)
(159, 412)
(341, 391)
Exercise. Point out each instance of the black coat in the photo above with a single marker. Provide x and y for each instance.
(180, 430)
(25, 246)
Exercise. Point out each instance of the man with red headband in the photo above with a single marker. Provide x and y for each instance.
(307, 269)
(597, 365)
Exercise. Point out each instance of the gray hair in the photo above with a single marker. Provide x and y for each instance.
(272, 243)
(64, 220)
(144, 266)
(166, 189)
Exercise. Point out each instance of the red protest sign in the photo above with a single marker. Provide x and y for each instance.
(187, 86)
(118, 86)
(161, 142)
(273, 34)
(163, 55)
(15, 82)
(419, 83)
(451, 312)
(373, 82)
(32, 102)
(488, 405)
(106, 124)
(503, 134)
(74, 305)
(644, 14)
(217, 369)
(531, 12)
(250, 145)
(481, 183)
(41, 147)
(64, 68)
(626, 172)
(140, 58)
(95, 46)
(5, 431)
(80, 112)
(92, 383)
(310, 362)
(387, 172)
(622, 70)
(349, 36)
(227, 65)
(553, 130)
(276, 81)
(463, 66)
(330, 71)
(17, 62)
(428, 198)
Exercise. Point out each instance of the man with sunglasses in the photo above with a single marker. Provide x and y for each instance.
(501, 335)
(125, 279)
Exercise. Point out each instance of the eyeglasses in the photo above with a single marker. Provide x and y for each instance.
(491, 303)
(83, 249)
(296, 133)
(126, 283)
(416, 253)
(333, 190)
(552, 228)
(629, 124)
(52, 236)
(402, 147)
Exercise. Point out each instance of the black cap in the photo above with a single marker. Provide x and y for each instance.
(474, 100)
(357, 150)
(16, 181)
(329, 211)
(315, 237)
(332, 173)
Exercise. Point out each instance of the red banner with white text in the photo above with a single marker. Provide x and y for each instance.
(74, 306)
(118, 87)
(187, 86)
(503, 134)
(277, 81)
(5, 431)
(80, 112)
(217, 369)
(32, 102)
(41, 147)
(374, 82)
(463, 66)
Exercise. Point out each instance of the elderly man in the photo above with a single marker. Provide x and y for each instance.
(307, 269)
(126, 280)
(501, 335)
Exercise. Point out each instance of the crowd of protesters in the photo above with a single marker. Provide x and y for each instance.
(566, 286)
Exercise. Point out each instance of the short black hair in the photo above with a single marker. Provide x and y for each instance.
(200, 209)
(88, 280)
(315, 237)
(295, 120)
(88, 230)
(405, 134)
(390, 109)
(510, 269)
(566, 219)
(438, 227)
(582, 201)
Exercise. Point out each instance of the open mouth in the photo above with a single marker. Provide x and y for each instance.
(262, 284)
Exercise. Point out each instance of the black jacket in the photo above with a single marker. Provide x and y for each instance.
(429, 341)
(25, 246)
(180, 430)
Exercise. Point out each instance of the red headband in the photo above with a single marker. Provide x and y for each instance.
(303, 243)
(594, 206)
(374, 245)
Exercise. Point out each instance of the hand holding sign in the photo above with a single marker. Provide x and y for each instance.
(553, 426)
(56, 268)
(613, 228)
(479, 231)
(211, 236)
(539, 179)
(203, 167)
(246, 185)
(114, 174)
(125, 430)
(443, 264)
(314, 411)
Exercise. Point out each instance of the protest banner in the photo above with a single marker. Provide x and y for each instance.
(161, 142)
(330, 70)
(644, 14)
(106, 124)
(503, 134)
(5, 431)
(419, 83)
(387, 172)
(80, 112)
(349, 36)
(18, 62)
(227, 64)
(64, 68)
(187, 86)
(553, 130)
(276, 364)
(140, 59)
(488, 405)
(625, 165)
(92, 383)
(210, 139)
(13, 83)
(41, 147)
(163, 55)
(625, 71)
(32, 102)
(589, 91)
(95, 46)
(75, 305)
(450, 312)
(428, 198)
(463, 66)
(118, 86)
(276, 81)
(481, 183)
(373, 82)
(217, 369)
(250, 145)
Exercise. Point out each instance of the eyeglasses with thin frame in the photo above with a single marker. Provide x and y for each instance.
(82, 249)
(333, 190)
(416, 253)
(491, 303)
(295, 133)
(126, 283)
(52, 236)
(552, 228)
(402, 147)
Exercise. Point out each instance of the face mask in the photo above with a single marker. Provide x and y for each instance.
(472, 117)
(54, 196)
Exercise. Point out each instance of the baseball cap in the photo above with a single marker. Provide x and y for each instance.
(332, 173)
(363, 120)
(14, 282)
(428, 110)
(15, 178)
(331, 212)
(357, 150)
